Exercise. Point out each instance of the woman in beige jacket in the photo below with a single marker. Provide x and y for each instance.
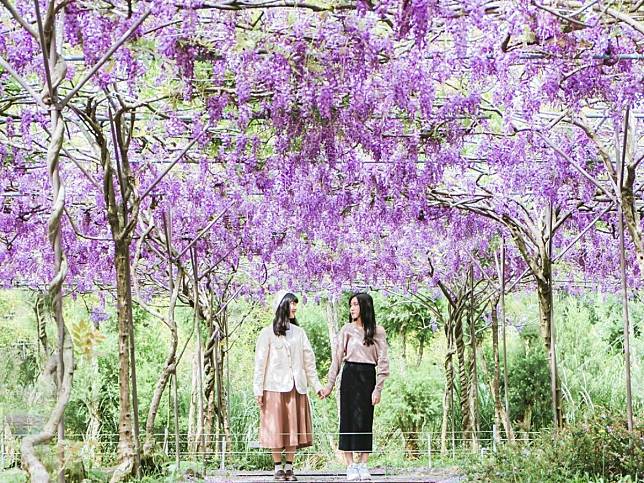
(284, 369)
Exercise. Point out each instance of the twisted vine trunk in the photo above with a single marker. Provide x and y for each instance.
(30, 462)
(464, 380)
(195, 426)
(448, 394)
(167, 371)
(55, 71)
(472, 398)
(211, 388)
(41, 322)
(214, 361)
(169, 367)
(472, 370)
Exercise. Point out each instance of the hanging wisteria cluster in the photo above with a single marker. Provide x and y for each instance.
(317, 145)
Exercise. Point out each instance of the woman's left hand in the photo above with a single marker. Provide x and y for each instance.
(375, 398)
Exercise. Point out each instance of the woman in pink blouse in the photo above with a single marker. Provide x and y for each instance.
(362, 346)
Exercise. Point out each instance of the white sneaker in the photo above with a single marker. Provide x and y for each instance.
(353, 474)
(364, 472)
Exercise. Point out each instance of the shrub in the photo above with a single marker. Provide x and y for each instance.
(601, 448)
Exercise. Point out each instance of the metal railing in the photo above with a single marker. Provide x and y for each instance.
(423, 448)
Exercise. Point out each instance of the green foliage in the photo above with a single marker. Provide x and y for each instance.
(529, 388)
(591, 357)
(96, 475)
(187, 470)
(13, 475)
(589, 352)
(313, 321)
(599, 448)
(412, 400)
(244, 419)
(410, 319)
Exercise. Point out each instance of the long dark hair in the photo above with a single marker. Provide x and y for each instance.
(281, 319)
(367, 314)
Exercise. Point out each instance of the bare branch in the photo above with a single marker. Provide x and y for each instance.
(19, 19)
(560, 15)
(23, 83)
(626, 19)
(581, 170)
(172, 164)
(105, 57)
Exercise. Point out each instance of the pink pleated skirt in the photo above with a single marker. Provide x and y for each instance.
(285, 420)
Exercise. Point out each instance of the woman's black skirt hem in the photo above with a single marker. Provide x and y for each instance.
(356, 409)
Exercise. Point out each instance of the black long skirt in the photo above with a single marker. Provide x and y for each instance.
(356, 410)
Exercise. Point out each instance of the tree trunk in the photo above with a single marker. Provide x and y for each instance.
(544, 292)
(217, 398)
(332, 324)
(500, 415)
(333, 328)
(194, 424)
(464, 380)
(168, 369)
(449, 384)
(211, 423)
(222, 390)
(627, 192)
(30, 461)
(56, 67)
(473, 392)
(473, 376)
(41, 321)
(631, 216)
(126, 450)
(212, 388)
(211, 419)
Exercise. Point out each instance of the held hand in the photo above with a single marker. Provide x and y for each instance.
(375, 398)
(324, 393)
(260, 401)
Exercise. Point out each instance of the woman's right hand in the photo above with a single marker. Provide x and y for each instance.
(260, 401)
(324, 392)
